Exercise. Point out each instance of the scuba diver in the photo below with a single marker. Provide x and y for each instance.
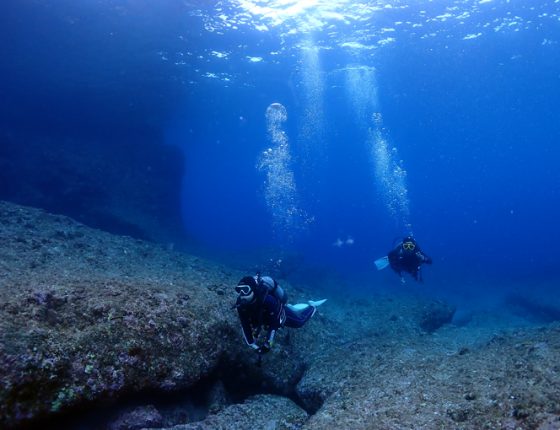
(263, 308)
(405, 257)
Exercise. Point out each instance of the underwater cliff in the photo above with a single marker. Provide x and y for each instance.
(125, 185)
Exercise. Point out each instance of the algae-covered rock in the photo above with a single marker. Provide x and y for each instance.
(86, 316)
(138, 418)
(257, 412)
(435, 315)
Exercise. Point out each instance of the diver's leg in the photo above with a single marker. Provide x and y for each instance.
(298, 319)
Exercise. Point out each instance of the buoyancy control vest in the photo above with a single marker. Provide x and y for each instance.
(267, 285)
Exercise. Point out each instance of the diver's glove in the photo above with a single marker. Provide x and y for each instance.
(265, 348)
(424, 258)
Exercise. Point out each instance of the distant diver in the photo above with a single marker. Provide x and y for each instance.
(405, 257)
(263, 308)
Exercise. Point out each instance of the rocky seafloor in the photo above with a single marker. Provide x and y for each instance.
(106, 332)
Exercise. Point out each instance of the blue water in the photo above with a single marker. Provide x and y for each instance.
(439, 119)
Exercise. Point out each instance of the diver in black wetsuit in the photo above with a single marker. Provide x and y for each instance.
(408, 257)
(263, 308)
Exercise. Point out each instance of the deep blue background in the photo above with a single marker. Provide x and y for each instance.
(476, 124)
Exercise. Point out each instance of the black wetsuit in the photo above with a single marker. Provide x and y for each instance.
(402, 260)
(266, 312)
(269, 311)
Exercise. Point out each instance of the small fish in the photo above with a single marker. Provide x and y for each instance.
(338, 243)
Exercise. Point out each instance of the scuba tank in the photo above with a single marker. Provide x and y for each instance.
(270, 286)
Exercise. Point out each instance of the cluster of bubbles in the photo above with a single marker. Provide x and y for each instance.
(280, 186)
(390, 174)
(313, 94)
(276, 116)
(312, 151)
(361, 89)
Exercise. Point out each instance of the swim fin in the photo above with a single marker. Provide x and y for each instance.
(382, 263)
(300, 306)
(316, 303)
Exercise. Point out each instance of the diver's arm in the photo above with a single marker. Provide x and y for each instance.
(423, 258)
(247, 332)
(276, 323)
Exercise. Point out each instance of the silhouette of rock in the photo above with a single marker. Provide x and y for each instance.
(123, 187)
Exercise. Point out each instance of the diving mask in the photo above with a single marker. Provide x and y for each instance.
(409, 246)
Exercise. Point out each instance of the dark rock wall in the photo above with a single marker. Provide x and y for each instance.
(127, 185)
(83, 102)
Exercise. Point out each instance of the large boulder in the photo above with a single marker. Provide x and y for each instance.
(434, 315)
(257, 412)
(86, 316)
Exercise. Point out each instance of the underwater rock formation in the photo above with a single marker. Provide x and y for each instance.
(128, 187)
(509, 381)
(139, 418)
(88, 318)
(435, 315)
(257, 412)
(541, 310)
